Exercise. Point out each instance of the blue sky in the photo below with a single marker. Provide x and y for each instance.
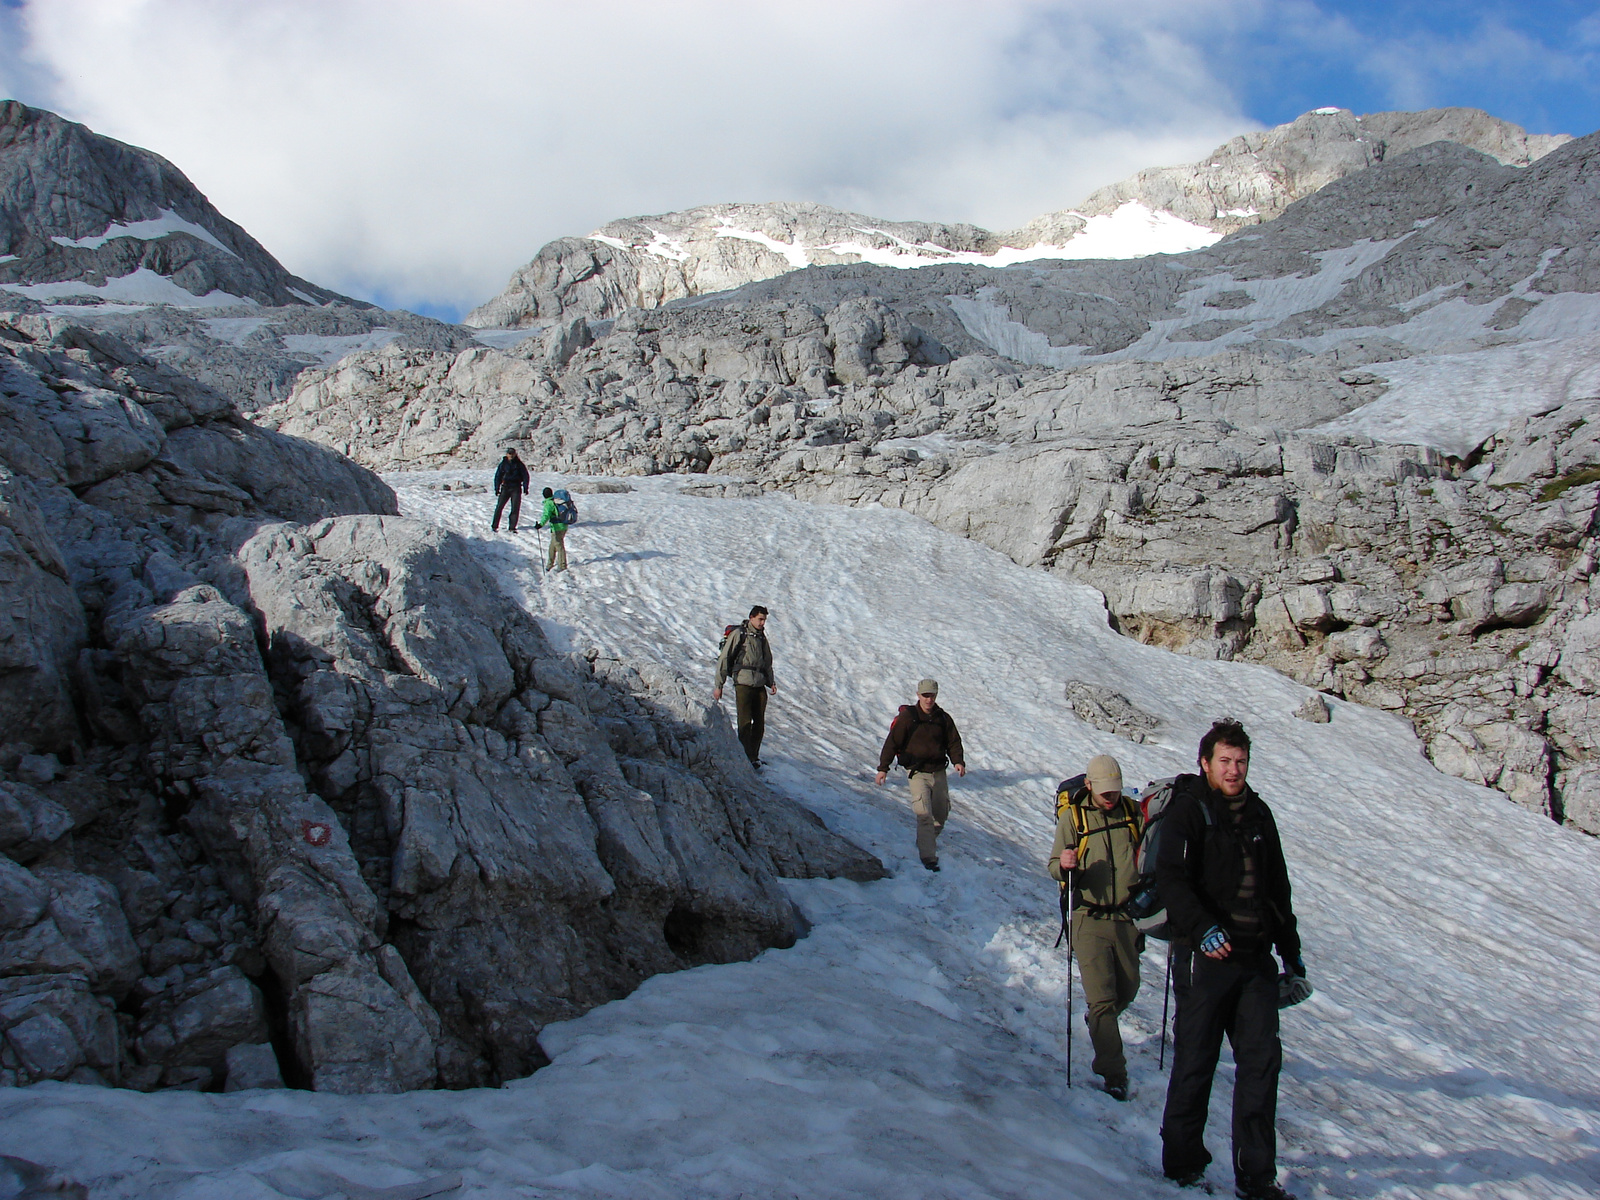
(1533, 63)
(416, 152)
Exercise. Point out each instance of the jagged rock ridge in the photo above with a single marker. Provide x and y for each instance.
(649, 261)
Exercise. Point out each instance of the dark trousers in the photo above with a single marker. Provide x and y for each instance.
(752, 704)
(514, 495)
(1236, 996)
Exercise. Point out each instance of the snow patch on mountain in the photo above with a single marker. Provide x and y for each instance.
(330, 349)
(142, 286)
(149, 231)
(1454, 401)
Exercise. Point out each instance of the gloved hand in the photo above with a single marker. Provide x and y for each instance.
(1292, 985)
(1215, 939)
(538, 525)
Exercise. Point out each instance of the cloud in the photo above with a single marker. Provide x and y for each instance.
(1421, 66)
(419, 152)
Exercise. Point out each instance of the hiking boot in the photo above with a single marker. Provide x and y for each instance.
(1265, 1190)
(1117, 1091)
(931, 863)
(1194, 1181)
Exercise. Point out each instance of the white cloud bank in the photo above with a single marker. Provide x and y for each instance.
(419, 151)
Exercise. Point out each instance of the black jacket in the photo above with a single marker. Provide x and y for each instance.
(510, 475)
(1199, 864)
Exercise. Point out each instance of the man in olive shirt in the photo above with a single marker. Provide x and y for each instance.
(925, 739)
(746, 658)
(1097, 837)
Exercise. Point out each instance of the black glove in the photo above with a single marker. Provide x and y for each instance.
(1292, 985)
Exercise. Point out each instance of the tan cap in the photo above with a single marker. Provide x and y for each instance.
(1104, 775)
(928, 687)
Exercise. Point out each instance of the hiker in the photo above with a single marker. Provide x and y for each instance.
(558, 533)
(1223, 880)
(925, 739)
(1097, 840)
(746, 658)
(510, 484)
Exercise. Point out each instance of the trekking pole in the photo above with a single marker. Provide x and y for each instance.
(1166, 993)
(1069, 978)
(539, 533)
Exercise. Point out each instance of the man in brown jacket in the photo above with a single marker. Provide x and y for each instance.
(926, 740)
(1097, 837)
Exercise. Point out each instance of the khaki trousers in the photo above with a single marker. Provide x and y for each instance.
(930, 800)
(558, 550)
(1107, 950)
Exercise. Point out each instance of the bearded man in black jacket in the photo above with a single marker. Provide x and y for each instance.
(1223, 880)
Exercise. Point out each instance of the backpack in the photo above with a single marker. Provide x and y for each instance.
(566, 510)
(734, 633)
(1065, 791)
(1144, 903)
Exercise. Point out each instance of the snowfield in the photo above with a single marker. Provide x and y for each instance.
(911, 1046)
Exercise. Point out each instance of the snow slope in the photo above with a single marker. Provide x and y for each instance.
(911, 1045)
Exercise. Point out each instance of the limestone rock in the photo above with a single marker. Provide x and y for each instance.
(1110, 710)
(252, 1066)
(1314, 709)
(445, 732)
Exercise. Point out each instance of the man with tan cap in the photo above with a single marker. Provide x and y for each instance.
(925, 740)
(1097, 836)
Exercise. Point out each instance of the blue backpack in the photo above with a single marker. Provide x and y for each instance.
(566, 510)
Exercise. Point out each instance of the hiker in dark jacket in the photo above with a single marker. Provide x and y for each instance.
(925, 740)
(1096, 848)
(1223, 880)
(510, 485)
(746, 658)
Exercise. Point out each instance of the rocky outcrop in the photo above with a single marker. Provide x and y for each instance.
(662, 392)
(85, 217)
(291, 794)
(646, 262)
(541, 833)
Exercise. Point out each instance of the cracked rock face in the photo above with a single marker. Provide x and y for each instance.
(534, 826)
(292, 795)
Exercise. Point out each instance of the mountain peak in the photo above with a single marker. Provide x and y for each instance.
(92, 220)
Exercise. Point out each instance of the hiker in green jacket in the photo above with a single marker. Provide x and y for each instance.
(558, 533)
(1097, 837)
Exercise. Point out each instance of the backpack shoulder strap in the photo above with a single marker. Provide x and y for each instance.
(1130, 813)
(1080, 824)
